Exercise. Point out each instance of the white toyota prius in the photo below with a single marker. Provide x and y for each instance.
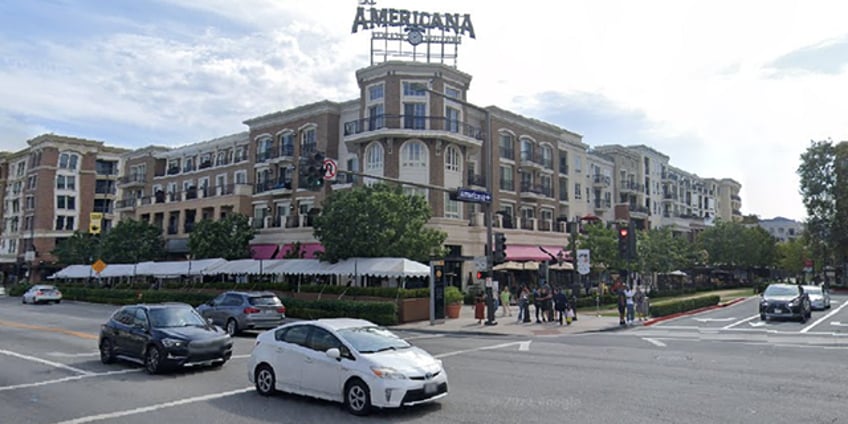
(352, 361)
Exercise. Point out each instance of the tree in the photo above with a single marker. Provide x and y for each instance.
(80, 248)
(661, 251)
(736, 245)
(132, 241)
(376, 221)
(791, 256)
(602, 243)
(227, 238)
(825, 197)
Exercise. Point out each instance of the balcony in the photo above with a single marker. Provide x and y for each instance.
(599, 180)
(131, 180)
(532, 160)
(126, 204)
(630, 186)
(205, 164)
(563, 168)
(287, 151)
(267, 155)
(603, 204)
(639, 210)
(476, 180)
(366, 129)
(534, 190)
(508, 154)
(174, 170)
(264, 186)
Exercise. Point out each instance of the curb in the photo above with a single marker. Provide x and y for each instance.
(694, 311)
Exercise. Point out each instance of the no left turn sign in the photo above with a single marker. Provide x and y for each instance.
(330, 168)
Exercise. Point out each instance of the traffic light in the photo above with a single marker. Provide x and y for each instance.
(499, 256)
(624, 243)
(313, 171)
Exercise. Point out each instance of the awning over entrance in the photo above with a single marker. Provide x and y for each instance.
(533, 253)
(263, 251)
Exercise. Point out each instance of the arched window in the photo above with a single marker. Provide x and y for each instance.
(374, 158)
(453, 159)
(526, 149)
(68, 160)
(413, 155)
(547, 157)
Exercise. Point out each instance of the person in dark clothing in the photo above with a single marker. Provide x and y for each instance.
(622, 301)
(560, 305)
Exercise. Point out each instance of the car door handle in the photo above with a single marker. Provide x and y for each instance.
(308, 360)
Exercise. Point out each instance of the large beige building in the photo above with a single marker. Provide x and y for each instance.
(411, 123)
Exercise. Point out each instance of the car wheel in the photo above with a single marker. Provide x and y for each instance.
(153, 360)
(107, 354)
(232, 327)
(357, 398)
(23, 300)
(266, 381)
(59, 301)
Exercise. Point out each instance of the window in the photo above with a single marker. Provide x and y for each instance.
(32, 181)
(30, 202)
(222, 158)
(68, 160)
(189, 164)
(240, 177)
(264, 149)
(66, 202)
(287, 144)
(546, 185)
(308, 141)
(415, 191)
(64, 223)
(577, 164)
(414, 89)
(577, 191)
(547, 157)
(374, 158)
(375, 92)
(414, 115)
(453, 93)
(240, 154)
(507, 182)
(413, 155)
(526, 150)
(451, 207)
(65, 182)
(452, 159)
(506, 147)
(452, 119)
(375, 117)
(322, 340)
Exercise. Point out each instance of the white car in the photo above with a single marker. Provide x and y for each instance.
(819, 297)
(352, 361)
(42, 294)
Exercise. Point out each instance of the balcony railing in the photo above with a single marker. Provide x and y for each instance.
(412, 122)
(476, 180)
(266, 155)
(132, 178)
(287, 151)
(601, 180)
(563, 168)
(536, 189)
(264, 186)
(507, 153)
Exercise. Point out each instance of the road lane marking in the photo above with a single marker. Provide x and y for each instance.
(45, 362)
(654, 342)
(152, 408)
(73, 355)
(79, 334)
(742, 321)
(757, 324)
(240, 356)
(62, 380)
(714, 319)
(497, 346)
(424, 336)
(838, 324)
(524, 346)
(824, 318)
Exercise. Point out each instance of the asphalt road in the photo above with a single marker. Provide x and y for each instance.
(683, 370)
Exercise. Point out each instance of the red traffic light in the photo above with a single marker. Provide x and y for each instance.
(479, 275)
(622, 232)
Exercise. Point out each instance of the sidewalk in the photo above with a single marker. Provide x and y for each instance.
(587, 321)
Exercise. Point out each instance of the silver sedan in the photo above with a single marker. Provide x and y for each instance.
(819, 297)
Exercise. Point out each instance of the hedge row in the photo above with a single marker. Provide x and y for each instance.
(382, 313)
(669, 307)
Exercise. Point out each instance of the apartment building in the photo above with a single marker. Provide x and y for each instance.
(782, 229)
(49, 190)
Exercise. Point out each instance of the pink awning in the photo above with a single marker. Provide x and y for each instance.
(533, 253)
(309, 250)
(263, 251)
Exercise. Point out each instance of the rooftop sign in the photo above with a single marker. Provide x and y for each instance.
(373, 17)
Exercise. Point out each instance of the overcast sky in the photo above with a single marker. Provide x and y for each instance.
(733, 89)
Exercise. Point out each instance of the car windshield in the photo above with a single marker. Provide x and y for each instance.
(813, 290)
(372, 339)
(781, 291)
(175, 317)
(265, 301)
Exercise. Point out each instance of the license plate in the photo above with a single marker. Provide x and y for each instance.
(778, 311)
(430, 388)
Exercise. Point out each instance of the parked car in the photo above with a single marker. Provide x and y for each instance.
(819, 297)
(42, 293)
(162, 336)
(785, 301)
(236, 311)
(352, 361)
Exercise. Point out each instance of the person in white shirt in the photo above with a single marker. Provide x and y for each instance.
(630, 305)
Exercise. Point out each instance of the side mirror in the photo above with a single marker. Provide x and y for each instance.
(209, 321)
(334, 353)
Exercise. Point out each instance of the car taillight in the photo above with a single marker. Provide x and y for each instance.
(281, 309)
(39, 293)
(252, 310)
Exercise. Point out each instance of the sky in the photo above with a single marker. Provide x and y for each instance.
(726, 89)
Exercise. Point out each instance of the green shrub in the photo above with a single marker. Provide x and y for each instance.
(453, 295)
(669, 307)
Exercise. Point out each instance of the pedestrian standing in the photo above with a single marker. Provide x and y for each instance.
(480, 308)
(524, 305)
(560, 305)
(505, 299)
(639, 299)
(618, 289)
(628, 293)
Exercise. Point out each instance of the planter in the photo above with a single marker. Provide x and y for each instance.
(452, 310)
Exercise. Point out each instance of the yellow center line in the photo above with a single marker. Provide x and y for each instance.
(79, 334)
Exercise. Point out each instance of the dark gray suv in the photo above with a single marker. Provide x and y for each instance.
(236, 311)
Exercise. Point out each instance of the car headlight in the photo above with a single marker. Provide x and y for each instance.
(388, 373)
(794, 303)
(173, 342)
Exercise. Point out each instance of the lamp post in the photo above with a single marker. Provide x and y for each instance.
(490, 156)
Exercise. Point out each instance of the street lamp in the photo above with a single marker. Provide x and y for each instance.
(487, 142)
